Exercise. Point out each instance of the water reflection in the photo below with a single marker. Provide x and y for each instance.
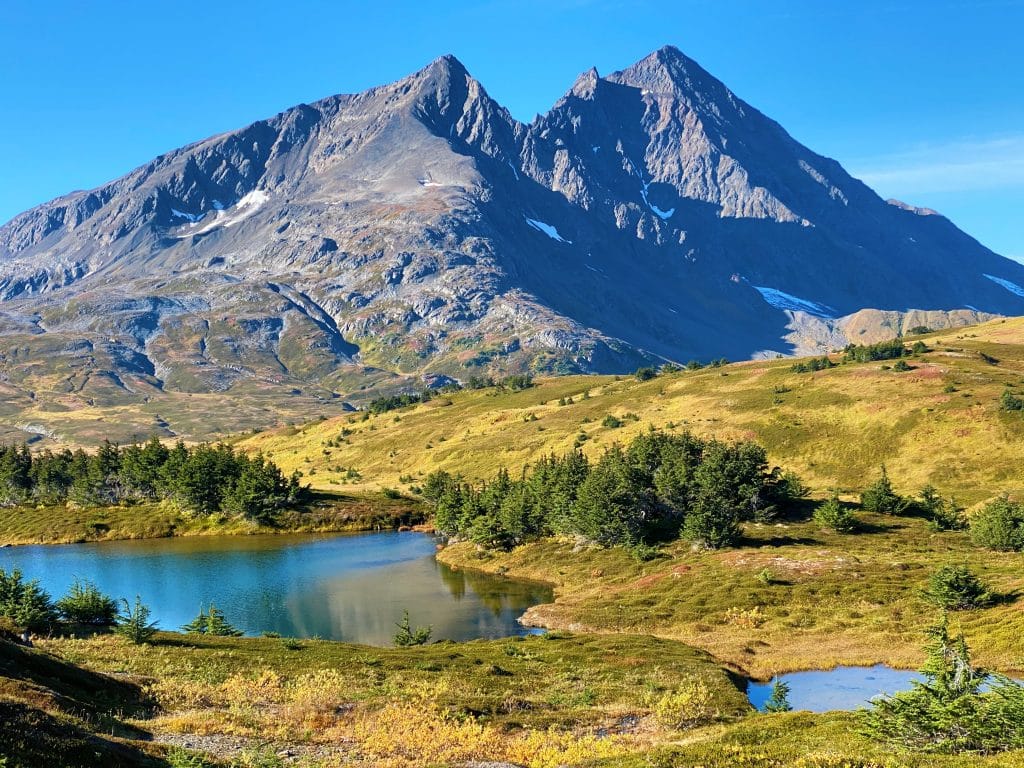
(351, 588)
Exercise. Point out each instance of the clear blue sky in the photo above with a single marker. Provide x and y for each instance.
(924, 99)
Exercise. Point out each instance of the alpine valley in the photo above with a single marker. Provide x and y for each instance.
(416, 233)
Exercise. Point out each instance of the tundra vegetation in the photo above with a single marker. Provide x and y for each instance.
(675, 553)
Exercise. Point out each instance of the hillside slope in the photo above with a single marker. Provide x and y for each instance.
(939, 422)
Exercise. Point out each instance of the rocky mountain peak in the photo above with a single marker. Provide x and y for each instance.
(586, 84)
(417, 228)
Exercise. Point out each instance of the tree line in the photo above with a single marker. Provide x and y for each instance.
(660, 487)
(385, 403)
(202, 479)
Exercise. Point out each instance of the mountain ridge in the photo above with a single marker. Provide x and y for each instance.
(418, 229)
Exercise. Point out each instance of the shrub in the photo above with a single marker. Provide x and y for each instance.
(645, 374)
(612, 422)
(1010, 402)
(134, 623)
(85, 604)
(406, 636)
(690, 705)
(24, 603)
(880, 497)
(999, 526)
(956, 588)
(901, 366)
(834, 516)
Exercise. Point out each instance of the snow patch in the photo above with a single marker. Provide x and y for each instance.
(243, 209)
(253, 199)
(547, 229)
(782, 300)
(182, 215)
(663, 215)
(595, 150)
(430, 183)
(1011, 287)
(513, 170)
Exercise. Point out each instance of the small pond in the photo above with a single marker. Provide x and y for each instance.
(348, 587)
(842, 688)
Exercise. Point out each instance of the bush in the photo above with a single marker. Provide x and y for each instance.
(25, 604)
(645, 374)
(612, 422)
(1010, 402)
(85, 604)
(406, 636)
(880, 497)
(956, 588)
(999, 526)
(134, 623)
(690, 705)
(834, 516)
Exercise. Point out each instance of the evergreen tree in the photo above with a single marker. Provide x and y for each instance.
(25, 604)
(406, 636)
(956, 588)
(134, 623)
(211, 622)
(943, 514)
(999, 526)
(614, 504)
(779, 699)
(880, 497)
(834, 516)
(15, 478)
(948, 712)
(85, 604)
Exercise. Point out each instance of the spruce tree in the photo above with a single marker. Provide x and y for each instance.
(880, 497)
(779, 699)
(134, 623)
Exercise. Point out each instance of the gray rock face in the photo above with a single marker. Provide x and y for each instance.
(417, 228)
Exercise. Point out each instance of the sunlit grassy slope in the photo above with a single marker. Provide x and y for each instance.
(938, 423)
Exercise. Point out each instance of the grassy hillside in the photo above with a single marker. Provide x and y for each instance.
(939, 422)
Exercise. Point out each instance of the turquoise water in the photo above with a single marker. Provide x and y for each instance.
(842, 688)
(351, 588)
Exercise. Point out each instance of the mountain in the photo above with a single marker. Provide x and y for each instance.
(418, 230)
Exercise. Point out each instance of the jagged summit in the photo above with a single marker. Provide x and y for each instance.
(418, 229)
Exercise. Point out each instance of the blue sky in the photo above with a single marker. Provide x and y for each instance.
(923, 100)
